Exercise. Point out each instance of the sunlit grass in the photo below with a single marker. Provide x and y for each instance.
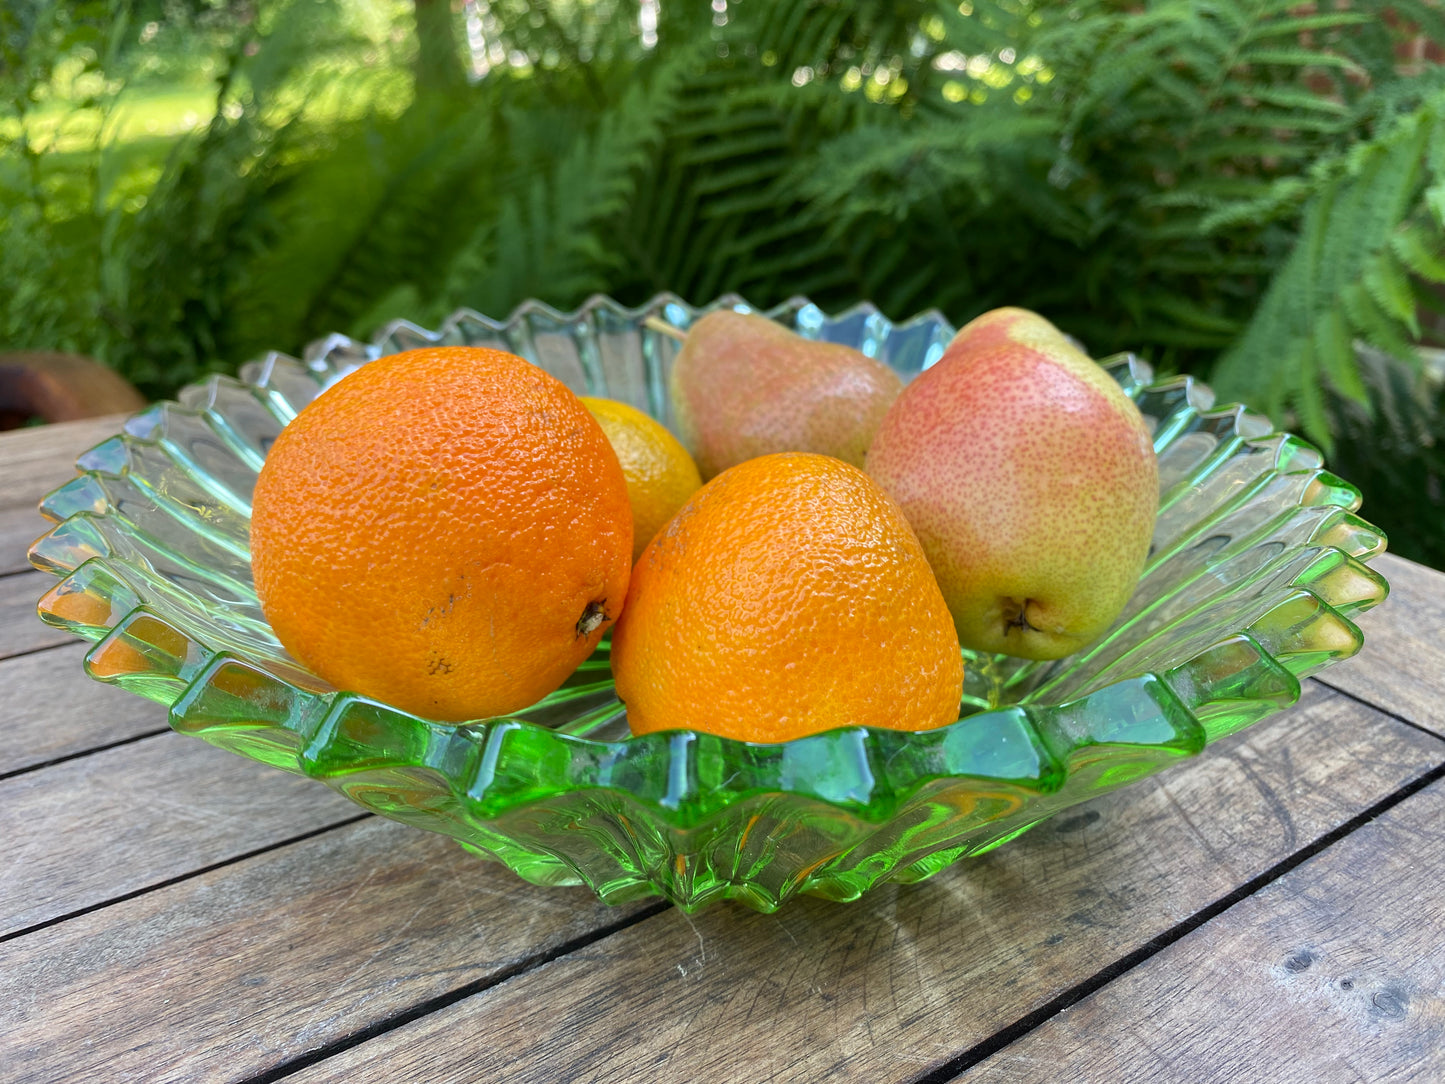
(94, 147)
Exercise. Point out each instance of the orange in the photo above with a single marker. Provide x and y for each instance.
(788, 596)
(446, 530)
(660, 474)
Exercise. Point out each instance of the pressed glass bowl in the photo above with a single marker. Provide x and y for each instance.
(1257, 568)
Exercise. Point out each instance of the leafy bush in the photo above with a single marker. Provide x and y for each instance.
(1247, 189)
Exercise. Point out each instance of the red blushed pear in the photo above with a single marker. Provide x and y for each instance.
(744, 386)
(1030, 479)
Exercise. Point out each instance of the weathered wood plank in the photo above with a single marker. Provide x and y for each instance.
(1402, 665)
(20, 629)
(900, 982)
(35, 461)
(1334, 972)
(227, 974)
(19, 527)
(55, 710)
(97, 827)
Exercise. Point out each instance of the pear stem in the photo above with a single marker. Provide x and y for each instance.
(661, 326)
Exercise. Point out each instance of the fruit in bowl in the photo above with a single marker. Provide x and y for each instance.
(744, 386)
(1258, 568)
(1031, 480)
(474, 514)
(660, 475)
(469, 513)
(788, 597)
(446, 529)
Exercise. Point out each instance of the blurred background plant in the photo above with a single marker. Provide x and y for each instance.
(1248, 190)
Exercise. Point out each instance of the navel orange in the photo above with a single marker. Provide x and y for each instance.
(787, 597)
(446, 530)
(660, 475)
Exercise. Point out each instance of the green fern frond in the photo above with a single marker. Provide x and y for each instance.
(1344, 263)
(1389, 287)
(1301, 58)
(1333, 344)
(1284, 97)
(1421, 250)
(543, 241)
(1372, 323)
(1282, 199)
(1294, 26)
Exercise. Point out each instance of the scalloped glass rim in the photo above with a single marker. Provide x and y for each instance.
(1257, 569)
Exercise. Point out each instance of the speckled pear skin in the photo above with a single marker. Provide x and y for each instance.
(1030, 479)
(744, 386)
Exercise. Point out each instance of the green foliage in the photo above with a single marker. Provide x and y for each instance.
(1253, 190)
(1364, 232)
(1395, 450)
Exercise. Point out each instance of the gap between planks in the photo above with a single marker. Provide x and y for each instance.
(1000, 1038)
(950, 1070)
(101, 748)
(451, 997)
(1405, 753)
(980, 1050)
(955, 1068)
(231, 860)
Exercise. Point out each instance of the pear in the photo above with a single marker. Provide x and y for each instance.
(1031, 480)
(744, 386)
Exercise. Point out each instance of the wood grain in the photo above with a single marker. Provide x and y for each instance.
(55, 710)
(92, 829)
(35, 461)
(18, 528)
(230, 973)
(1402, 665)
(21, 630)
(895, 985)
(1335, 972)
(344, 937)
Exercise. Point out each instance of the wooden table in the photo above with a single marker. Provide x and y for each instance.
(1273, 910)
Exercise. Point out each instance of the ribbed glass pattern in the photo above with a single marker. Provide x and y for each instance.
(1257, 569)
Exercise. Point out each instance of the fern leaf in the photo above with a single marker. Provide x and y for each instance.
(1373, 325)
(1280, 199)
(1420, 251)
(1301, 58)
(1303, 24)
(1435, 203)
(1333, 345)
(1389, 287)
(755, 142)
(1283, 120)
(1342, 262)
(1310, 402)
(1285, 98)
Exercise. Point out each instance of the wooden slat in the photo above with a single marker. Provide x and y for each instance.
(18, 528)
(1402, 665)
(32, 463)
(95, 828)
(21, 630)
(230, 973)
(225, 975)
(55, 710)
(897, 984)
(35, 461)
(1334, 972)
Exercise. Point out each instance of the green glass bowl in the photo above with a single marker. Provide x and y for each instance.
(1257, 568)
